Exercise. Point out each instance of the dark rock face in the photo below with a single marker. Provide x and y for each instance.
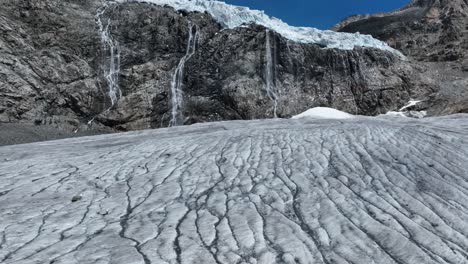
(363, 81)
(48, 63)
(52, 69)
(434, 33)
(428, 30)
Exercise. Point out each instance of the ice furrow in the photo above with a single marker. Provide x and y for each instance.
(272, 191)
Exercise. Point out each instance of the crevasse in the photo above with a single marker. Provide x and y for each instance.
(231, 16)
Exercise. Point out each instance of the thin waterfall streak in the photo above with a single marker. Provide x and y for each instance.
(111, 51)
(177, 78)
(111, 60)
(269, 75)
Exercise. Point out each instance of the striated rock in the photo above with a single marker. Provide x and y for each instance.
(361, 190)
(48, 63)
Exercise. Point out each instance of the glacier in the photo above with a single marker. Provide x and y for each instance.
(231, 16)
(111, 66)
(360, 190)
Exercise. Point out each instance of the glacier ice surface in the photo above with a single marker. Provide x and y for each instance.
(323, 112)
(361, 190)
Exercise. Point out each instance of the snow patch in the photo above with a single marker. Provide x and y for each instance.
(410, 104)
(403, 112)
(395, 114)
(407, 114)
(324, 113)
(231, 16)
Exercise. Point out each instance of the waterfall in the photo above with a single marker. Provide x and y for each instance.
(177, 78)
(111, 51)
(269, 75)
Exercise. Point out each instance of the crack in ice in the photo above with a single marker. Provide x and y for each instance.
(267, 191)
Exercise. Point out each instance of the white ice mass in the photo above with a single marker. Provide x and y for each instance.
(231, 16)
(323, 113)
(403, 112)
(361, 190)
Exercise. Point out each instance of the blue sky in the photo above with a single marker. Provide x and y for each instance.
(317, 13)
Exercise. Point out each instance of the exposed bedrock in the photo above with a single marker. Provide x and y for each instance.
(367, 190)
(434, 32)
(54, 69)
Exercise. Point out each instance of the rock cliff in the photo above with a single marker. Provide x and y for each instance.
(81, 64)
(432, 32)
(428, 30)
